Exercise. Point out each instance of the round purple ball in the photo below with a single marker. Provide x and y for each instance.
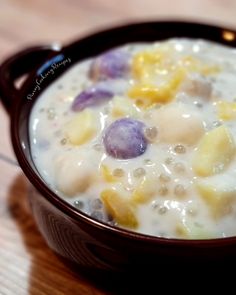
(124, 139)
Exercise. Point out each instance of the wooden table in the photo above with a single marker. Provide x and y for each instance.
(27, 265)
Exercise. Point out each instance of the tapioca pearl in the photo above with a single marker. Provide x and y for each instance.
(192, 210)
(163, 190)
(180, 149)
(118, 172)
(51, 114)
(148, 162)
(139, 172)
(198, 104)
(96, 204)
(179, 167)
(155, 205)
(151, 133)
(63, 141)
(162, 210)
(179, 190)
(164, 177)
(98, 147)
(216, 123)
(169, 161)
(79, 204)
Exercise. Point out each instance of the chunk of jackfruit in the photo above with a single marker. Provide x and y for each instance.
(82, 127)
(226, 110)
(145, 190)
(215, 151)
(219, 193)
(151, 94)
(122, 210)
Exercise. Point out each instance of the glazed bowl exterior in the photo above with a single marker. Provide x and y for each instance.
(73, 234)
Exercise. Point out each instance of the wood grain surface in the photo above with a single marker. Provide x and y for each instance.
(27, 265)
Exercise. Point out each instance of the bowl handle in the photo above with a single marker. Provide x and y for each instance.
(18, 65)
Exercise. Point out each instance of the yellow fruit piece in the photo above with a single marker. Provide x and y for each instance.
(160, 61)
(122, 210)
(215, 151)
(145, 191)
(122, 107)
(106, 173)
(159, 72)
(219, 193)
(145, 63)
(226, 110)
(150, 94)
(81, 128)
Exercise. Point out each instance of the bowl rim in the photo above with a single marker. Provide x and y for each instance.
(63, 205)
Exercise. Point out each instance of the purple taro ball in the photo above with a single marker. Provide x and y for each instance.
(124, 139)
(90, 97)
(110, 65)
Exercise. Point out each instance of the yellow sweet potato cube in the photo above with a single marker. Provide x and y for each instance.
(81, 128)
(226, 110)
(122, 210)
(145, 63)
(145, 191)
(151, 94)
(219, 193)
(215, 151)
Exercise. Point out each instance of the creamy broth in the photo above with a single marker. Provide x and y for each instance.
(145, 138)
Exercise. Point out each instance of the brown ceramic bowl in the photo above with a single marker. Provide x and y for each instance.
(73, 234)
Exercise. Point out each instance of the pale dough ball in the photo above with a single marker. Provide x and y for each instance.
(177, 124)
(74, 172)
